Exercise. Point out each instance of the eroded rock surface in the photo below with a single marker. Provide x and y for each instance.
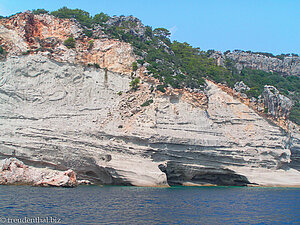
(57, 114)
(68, 116)
(241, 87)
(278, 105)
(26, 33)
(14, 171)
(289, 65)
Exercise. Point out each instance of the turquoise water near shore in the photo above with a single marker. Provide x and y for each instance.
(137, 205)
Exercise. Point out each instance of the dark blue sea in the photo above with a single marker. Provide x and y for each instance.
(137, 205)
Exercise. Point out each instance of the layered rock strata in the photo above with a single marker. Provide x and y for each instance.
(67, 116)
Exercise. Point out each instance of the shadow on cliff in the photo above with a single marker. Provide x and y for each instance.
(89, 170)
(179, 174)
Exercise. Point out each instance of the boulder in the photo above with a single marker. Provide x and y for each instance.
(241, 87)
(14, 171)
(278, 105)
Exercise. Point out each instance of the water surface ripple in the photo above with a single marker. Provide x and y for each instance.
(136, 205)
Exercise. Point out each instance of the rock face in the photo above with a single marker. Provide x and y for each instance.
(290, 65)
(278, 105)
(57, 113)
(14, 171)
(133, 24)
(26, 33)
(241, 87)
(65, 116)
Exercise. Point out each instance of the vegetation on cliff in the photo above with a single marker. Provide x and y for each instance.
(70, 42)
(281, 56)
(3, 53)
(134, 84)
(288, 86)
(81, 16)
(177, 64)
(39, 11)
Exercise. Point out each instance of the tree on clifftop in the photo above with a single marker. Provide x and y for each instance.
(100, 18)
(39, 11)
(162, 32)
(81, 16)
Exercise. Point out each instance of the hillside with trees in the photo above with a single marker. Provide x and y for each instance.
(177, 64)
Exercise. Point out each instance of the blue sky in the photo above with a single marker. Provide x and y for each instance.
(257, 25)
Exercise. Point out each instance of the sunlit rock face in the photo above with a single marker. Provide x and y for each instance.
(289, 65)
(26, 33)
(57, 113)
(66, 116)
(278, 105)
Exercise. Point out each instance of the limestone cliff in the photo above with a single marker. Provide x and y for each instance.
(57, 112)
(26, 33)
(289, 65)
(69, 116)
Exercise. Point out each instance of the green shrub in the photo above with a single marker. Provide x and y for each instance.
(253, 92)
(88, 33)
(26, 53)
(100, 18)
(91, 44)
(162, 32)
(140, 61)
(120, 93)
(1, 50)
(134, 84)
(147, 103)
(70, 42)
(161, 88)
(148, 31)
(96, 65)
(295, 114)
(134, 66)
